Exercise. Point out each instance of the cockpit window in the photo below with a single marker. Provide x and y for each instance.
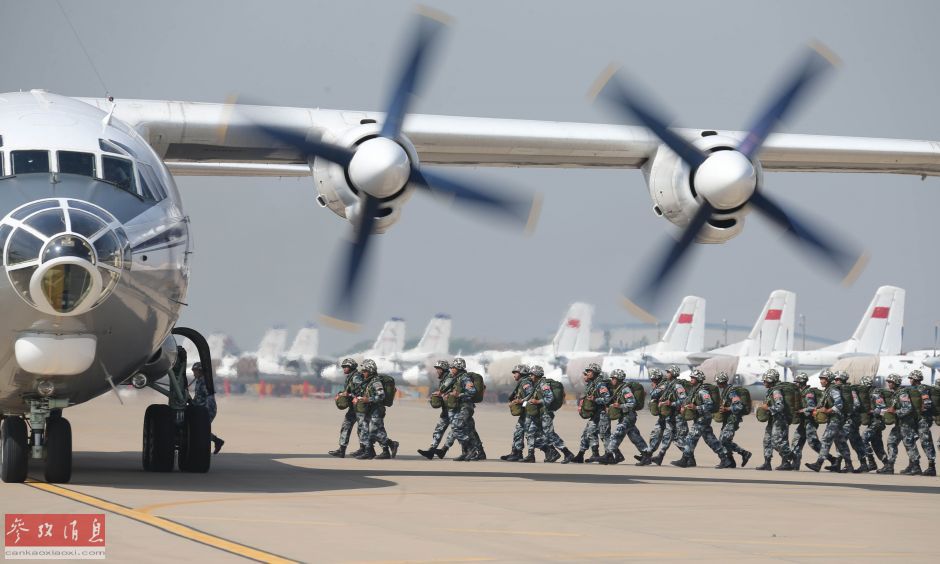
(120, 172)
(25, 162)
(149, 185)
(71, 162)
(109, 147)
(127, 149)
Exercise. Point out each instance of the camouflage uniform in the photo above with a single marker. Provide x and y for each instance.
(776, 433)
(925, 421)
(375, 413)
(202, 398)
(461, 417)
(355, 385)
(626, 425)
(872, 437)
(852, 425)
(656, 433)
(549, 437)
(597, 428)
(805, 432)
(675, 427)
(527, 428)
(732, 400)
(443, 421)
(832, 398)
(704, 405)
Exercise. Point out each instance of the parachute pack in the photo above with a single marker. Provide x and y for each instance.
(792, 399)
(715, 394)
(745, 395)
(882, 398)
(558, 394)
(388, 383)
(479, 385)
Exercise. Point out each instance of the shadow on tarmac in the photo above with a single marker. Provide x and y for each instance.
(273, 473)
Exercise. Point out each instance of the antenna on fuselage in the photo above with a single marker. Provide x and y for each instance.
(85, 51)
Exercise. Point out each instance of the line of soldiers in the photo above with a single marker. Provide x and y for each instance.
(364, 399)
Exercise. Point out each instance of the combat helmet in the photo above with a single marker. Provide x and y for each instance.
(536, 370)
(459, 364)
(771, 376)
(916, 375)
(656, 374)
(442, 364)
(722, 378)
(801, 378)
(368, 365)
(594, 367)
(349, 362)
(894, 379)
(619, 374)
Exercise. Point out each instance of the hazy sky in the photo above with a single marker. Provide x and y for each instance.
(265, 251)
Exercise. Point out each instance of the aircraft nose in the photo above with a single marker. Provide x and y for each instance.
(63, 256)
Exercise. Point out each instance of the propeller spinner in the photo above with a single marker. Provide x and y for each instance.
(727, 180)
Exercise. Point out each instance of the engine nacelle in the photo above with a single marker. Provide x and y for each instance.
(336, 190)
(674, 195)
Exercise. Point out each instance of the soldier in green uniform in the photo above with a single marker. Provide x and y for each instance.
(351, 388)
(444, 386)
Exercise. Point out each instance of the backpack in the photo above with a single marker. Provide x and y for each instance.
(745, 398)
(558, 394)
(791, 399)
(388, 383)
(639, 393)
(817, 397)
(864, 397)
(715, 393)
(479, 385)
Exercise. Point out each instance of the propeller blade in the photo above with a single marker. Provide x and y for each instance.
(643, 302)
(612, 88)
(430, 24)
(817, 62)
(847, 263)
(309, 147)
(521, 213)
(343, 313)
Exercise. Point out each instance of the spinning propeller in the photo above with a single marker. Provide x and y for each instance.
(379, 168)
(727, 180)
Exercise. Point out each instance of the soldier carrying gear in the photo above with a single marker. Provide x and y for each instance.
(777, 429)
(734, 403)
(923, 398)
(805, 431)
(852, 420)
(445, 384)
(891, 403)
(703, 404)
(373, 396)
(656, 433)
(656, 375)
(351, 388)
(830, 410)
(594, 407)
(461, 413)
(459, 364)
(549, 395)
(801, 378)
(624, 401)
(520, 395)
(673, 397)
(873, 400)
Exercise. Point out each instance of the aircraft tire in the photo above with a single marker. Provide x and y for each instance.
(195, 443)
(15, 463)
(159, 446)
(58, 450)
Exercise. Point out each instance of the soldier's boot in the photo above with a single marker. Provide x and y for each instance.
(569, 456)
(393, 446)
(367, 454)
(658, 459)
(473, 455)
(481, 454)
(429, 454)
(692, 463)
(814, 466)
(931, 469)
(784, 464)
(766, 465)
(357, 453)
(607, 458)
(645, 459)
(726, 462)
(682, 462)
(862, 466)
(551, 454)
(339, 452)
(441, 452)
(849, 469)
(464, 453)
(834, 465)
(513, 456)
(530, 456)
(888, 468)
(386, 454)
(618, 456)
(831, 459)
(578, 458)
(595, 455)
(745, 456)
(915, 470)
(639, 457)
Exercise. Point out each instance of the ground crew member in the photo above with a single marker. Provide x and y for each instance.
(445, 384)
(597, 428)
(373, 396)
(551, 442)
(523, 391)
(776, 432)
(623, 398)
(351, 388)
(833, 406)
(925, 420)
(675, 428)
(732, 405)
(892, 404)
(202, 397)
(872, 437)
(853, 421)
(806, 429)
(705, 406)
(656, 433)
(461, 416)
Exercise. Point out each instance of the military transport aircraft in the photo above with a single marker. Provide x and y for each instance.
(96, 242)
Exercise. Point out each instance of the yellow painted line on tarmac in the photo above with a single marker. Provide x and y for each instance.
(272, 521)
(166, 525)
(510, 532)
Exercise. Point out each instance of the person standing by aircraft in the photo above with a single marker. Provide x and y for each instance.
(924, 418)
(522, 392)
(805, 431)
(351, 388)
(446, 383)
(704, 406)
(830, 411)
(202, 397)
(597, 427)
(625, 401)
(374, 397)
(656, 433)
(732, 409)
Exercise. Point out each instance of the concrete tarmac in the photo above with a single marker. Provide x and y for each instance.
(275, 493)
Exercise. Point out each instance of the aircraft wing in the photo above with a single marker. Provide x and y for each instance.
(222, 140)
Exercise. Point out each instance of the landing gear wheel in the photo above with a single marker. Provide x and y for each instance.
(58, 450)
(15, 450)
(195, 440)
(159, 446)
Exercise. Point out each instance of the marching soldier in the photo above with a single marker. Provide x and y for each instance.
(806, 429)
(624, 400)
(544, 396)
(352, 388)
(656, 433)
(925, 420)
(890, 408)
(872, 437)
(733, 409)
(373, 397)
(776, 431)
(461, 412)
(831, 408)
(853, 420)
(675, 428)
(445, 385)
(523, 391)
(532, 416)
(597, 428)
(704, 406)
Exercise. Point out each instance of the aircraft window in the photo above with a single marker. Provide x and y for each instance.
(150, 186)
(84, 223)
(23, 246)
(21, 278)
(108, 280)
(68, 246)
(109, 147)
(71, 162)
(48, 222)
(119, 171)
(25, 162)
(66, 286)
(127, 149)
(109, 250)
(34, 207)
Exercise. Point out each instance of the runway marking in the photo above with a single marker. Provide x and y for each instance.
(508, 532)
(273, 521)
(165, 525)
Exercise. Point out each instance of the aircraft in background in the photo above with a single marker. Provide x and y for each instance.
(391, 340)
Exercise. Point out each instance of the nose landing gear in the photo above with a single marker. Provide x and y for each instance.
(48, 435)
